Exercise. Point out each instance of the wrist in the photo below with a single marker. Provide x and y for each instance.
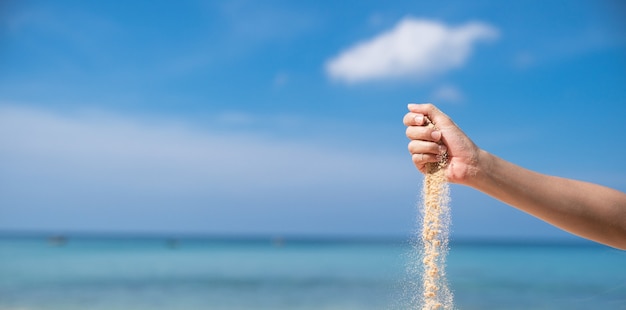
(479, 170)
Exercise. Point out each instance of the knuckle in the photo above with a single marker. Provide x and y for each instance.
(434, 148)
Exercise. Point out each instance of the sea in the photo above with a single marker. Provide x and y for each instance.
(133, 273)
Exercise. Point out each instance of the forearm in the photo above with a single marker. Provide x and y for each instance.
(588, 210)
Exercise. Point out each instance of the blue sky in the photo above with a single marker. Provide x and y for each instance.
(284, 117)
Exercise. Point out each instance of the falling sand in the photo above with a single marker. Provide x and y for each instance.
(434, 239)
(428, 286)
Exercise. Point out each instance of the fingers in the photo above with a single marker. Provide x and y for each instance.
(414, 119)
(423, 133)
(426, 147)
(422, 159)
(431, 111)
(417, 129)
(423, 152)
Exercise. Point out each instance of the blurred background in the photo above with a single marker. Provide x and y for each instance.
(271, 121)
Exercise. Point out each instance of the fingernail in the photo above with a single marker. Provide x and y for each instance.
(436, 135)
(442, 149)
(419, 119)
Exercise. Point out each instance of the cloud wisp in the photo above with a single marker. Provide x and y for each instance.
(129, 146)
(447, 94)
(416, 48)
(94, 166)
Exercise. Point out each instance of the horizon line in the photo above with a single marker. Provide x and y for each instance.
(281, 238)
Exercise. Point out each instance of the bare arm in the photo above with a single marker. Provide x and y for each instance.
(588, 210)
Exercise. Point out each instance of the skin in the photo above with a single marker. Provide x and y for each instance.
(585, 209)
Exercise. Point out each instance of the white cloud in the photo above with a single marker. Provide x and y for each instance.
(413, 48)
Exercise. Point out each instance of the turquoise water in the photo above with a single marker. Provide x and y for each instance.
(99, 273)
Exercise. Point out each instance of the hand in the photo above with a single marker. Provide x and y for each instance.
(429, 143)
(588, 210)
